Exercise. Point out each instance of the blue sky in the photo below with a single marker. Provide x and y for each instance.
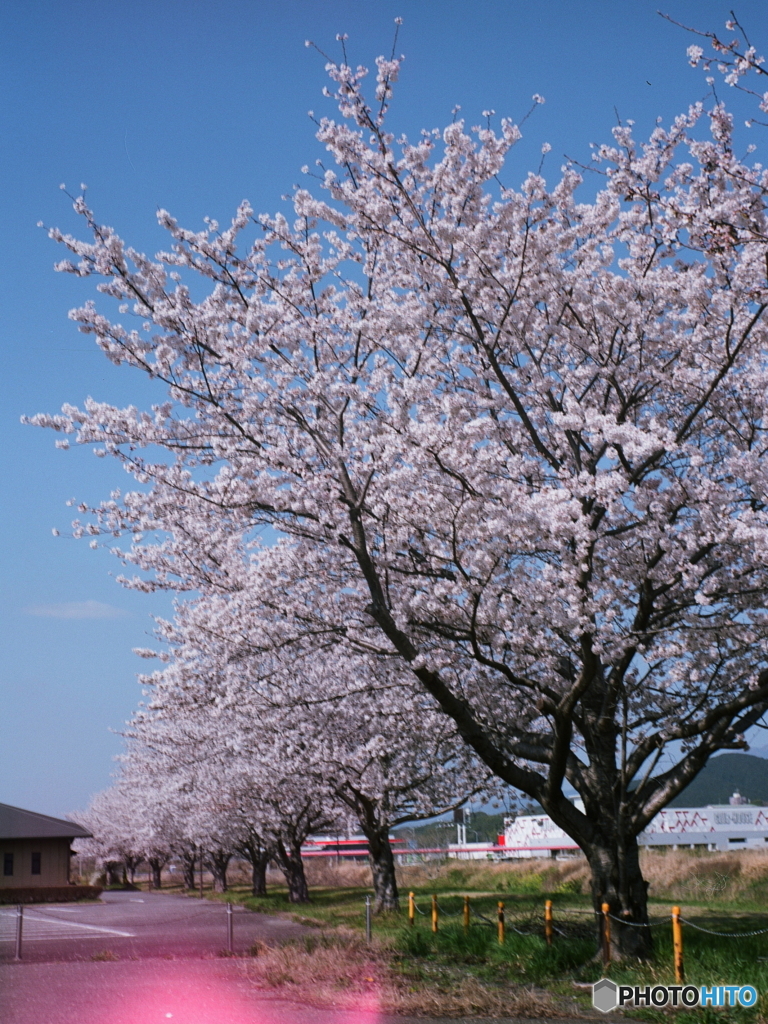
(194, 105)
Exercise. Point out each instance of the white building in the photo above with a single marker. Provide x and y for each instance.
(732, 826)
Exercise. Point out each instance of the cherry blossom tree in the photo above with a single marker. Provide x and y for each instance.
(513, 437)
(357, 724)
(250, 795)
(258, 852)
(114, 817)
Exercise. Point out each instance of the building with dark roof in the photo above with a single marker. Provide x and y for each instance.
(34, 848)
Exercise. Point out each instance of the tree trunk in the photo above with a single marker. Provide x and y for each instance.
(259, 876)
(259, 857)
(218, 863)
(618, 881)
(115, 872)
(382, 863)
(292, 867)
(189, 861)
(157, 869)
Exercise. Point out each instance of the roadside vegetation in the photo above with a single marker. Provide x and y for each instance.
(456, 972)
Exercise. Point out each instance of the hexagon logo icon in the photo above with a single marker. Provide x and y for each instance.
(604, 995)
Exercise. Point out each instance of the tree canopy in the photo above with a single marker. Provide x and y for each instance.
(513, 439)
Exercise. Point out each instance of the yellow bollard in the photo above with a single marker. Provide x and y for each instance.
(501, 923)
(434, 913)
(606, 933)
(548, 922)
(411, 909)
(677, 943)
(466, 913)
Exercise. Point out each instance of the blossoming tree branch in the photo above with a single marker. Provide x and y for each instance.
(512, 438)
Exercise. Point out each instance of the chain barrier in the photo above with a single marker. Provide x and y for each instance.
(483, 918)
(566, 910)
(659, 923)
(724, 935)
(446, 914)
(637, 924)
(518, 930)
(494, 924)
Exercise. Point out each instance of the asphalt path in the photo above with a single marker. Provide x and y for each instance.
(130, 925)
(160, 966)
(171, 992)
(151, 992)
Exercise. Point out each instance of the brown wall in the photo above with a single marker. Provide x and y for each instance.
(54, 862)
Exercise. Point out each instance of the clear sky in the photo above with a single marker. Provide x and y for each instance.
(193, 105)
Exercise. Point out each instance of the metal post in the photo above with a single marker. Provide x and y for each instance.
(466, 914)
(606, 908)
(501, 922)
(367, 918)
(201, 873)
(230, 943)
(411, 909)
(19, 926)
(434, 914)
(677, 942)
(548, 922)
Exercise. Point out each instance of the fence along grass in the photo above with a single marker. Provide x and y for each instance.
(417, 970)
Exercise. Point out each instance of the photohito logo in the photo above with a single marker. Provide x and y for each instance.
(607, 996)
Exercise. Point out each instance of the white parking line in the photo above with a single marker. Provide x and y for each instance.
(35, 927)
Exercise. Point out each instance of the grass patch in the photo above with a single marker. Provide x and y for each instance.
(340, 969)
(709, 960)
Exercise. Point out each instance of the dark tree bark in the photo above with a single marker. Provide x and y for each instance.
(157, 864)
(131, 863)
(290, 863)
(309, 817)
(115, 872)
(382, 863)
(218, 862)
(259, 856)
(375, 827)
(189, 862)
(259, 875)
(618, 881)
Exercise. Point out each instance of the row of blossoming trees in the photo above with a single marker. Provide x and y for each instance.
(241, 752)
(512, 441)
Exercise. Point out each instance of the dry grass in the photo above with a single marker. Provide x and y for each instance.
(530, 876)
(321, 871)
(341, 970)
(106, 955)
(673, 874)
(731, 877)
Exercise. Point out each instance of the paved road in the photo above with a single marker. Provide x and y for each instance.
(135, 924)
(150, 992)
(167, 992)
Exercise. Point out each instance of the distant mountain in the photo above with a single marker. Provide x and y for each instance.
(722, 776)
